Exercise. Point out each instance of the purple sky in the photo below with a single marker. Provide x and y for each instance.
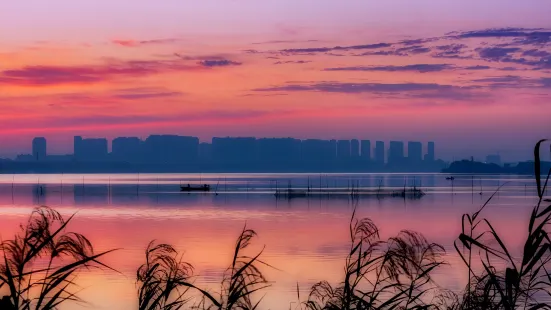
(474, 76)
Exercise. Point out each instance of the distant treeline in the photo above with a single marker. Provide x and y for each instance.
(468, 166)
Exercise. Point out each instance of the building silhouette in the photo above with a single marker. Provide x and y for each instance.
(171, 149)
(205, 151)
(366, 149)
(127, 149)
(380, 152)
(318, 150)
(39, 149)
(169, 153)
(354, 148)
(396, 153)
(234, 150)
(415, 152)
(430, 152)
(90, 149)
(278, 149)
(343, 149)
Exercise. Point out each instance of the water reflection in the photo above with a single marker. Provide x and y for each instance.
(306, 239)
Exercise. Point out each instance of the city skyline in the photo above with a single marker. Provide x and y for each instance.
(349, 149)
(365, 148)
(272, 149)
(166, 153)
(370, 147)
(457, 73)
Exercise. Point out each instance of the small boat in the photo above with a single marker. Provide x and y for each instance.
(450, 178)
(199, 188)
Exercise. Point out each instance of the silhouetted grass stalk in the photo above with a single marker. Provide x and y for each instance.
(401, 268)
(517, 286)
(40, 264)
(164, 281)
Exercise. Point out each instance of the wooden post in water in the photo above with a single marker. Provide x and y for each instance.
(12, 184)
(480, 186)
(61, 188)
(472, 188)
(157, 191)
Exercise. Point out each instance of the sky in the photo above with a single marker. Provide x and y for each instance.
(473, 76)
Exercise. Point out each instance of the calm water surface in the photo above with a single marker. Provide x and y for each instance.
(306, 239)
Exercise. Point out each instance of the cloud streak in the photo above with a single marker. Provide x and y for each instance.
(136, 43)
(335, 48)
(89, 74)
(218, 63)
(526, 35)
(514, 81)
(291, 62)
(421, 68)
(410, 90)
(103, 121)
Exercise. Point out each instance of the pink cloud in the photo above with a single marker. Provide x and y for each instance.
(136, 43)
(89, 74)
(126, 43)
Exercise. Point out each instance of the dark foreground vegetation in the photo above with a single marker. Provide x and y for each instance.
(40, 265)
(475, 167)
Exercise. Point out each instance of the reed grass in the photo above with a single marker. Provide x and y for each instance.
(40, 264)
(395, 274)
(381, 274)
(166, 282)
(523, 281)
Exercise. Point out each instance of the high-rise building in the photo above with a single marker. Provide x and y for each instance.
(278, 149)
(366, 149)
(396, 152)
(234, 149)
(318, 150)
(430, 152)
(354, 148)
(77, 141)
(343, 149)
(171, 149)
(205, 151)
(39, 149)
(127, 149)
(380, 152)
(415, 152)
(90, 149)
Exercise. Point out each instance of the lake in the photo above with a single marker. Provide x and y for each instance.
(306, 238)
